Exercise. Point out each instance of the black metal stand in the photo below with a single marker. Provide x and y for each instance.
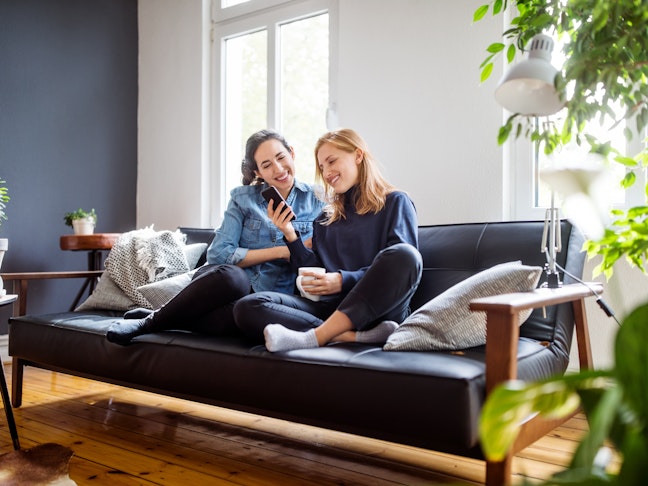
(94, 263)
(94, 244)
(6, 401)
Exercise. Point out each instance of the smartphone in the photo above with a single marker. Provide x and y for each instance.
(271, 194)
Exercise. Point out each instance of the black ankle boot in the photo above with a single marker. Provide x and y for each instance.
(122, 332)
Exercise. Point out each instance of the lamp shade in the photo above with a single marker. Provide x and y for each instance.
(528, 88)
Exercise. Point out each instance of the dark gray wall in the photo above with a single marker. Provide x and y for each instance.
(68, 131)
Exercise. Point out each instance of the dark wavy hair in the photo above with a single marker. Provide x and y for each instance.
(249, 165)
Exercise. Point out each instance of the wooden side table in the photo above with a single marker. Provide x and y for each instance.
(6, 401)
(94, 244)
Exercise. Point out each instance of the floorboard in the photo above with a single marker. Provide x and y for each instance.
(122, 436)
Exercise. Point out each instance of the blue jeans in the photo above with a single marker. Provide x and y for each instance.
(383, 293)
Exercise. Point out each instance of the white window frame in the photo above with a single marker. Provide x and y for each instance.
(220, 14)
(520, 179)
(244, 18)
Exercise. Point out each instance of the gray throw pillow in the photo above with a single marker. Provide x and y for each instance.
(107, 295)
(160, 292)
(141, 257)
(447, 323)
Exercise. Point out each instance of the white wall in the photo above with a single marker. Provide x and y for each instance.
(407, 80)
(627, 289)
(170, 113)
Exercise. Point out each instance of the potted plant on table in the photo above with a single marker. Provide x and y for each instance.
(4, 242)
(607, 65)
(82, 222)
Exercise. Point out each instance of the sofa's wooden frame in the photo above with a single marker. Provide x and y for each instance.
(21, 281)
(502, 318)
(502, 334)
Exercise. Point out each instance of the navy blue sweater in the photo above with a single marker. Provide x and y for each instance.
(350, 245)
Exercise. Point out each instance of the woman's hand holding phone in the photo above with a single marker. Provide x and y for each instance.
(271, 194)
(280, 213)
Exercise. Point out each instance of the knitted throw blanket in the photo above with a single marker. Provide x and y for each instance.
(144, 256)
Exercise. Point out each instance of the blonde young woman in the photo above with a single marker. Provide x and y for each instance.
(366, 238)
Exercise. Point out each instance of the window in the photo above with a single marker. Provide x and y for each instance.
(524, 160)
(529, 196)
(231, 3)
(271, 66)
(575, 154)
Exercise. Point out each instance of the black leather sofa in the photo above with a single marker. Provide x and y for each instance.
(425, 399)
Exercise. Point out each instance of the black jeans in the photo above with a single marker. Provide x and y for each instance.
(383, 293)
(206, 304)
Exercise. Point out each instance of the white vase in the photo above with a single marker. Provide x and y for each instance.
(4, 246)
(83, 226)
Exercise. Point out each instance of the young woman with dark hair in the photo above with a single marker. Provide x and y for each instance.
(247, 254)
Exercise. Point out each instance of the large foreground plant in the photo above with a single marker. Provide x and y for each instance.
(615, 402)
(605, 73)
(606, 66)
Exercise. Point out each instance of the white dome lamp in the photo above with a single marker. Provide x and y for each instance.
(528, 88)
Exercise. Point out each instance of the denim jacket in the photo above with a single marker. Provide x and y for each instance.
(246, 226)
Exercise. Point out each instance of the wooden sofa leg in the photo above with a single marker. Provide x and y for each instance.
(499, 473)
(17, 369)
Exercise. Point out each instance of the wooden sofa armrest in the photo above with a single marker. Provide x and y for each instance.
(503, 322)
(20, 281)
(502, 335)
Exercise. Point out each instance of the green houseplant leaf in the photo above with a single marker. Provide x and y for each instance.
(631, 358)
(513, 402)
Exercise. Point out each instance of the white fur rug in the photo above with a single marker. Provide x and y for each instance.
(42, 465)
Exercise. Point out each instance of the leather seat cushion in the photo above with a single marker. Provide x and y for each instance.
(430, 400)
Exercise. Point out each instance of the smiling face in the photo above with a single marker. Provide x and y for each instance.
(339, 169)
(276, 165)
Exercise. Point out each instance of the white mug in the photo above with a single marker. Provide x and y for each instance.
(301, 277)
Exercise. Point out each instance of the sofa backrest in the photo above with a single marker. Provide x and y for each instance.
(454, 252)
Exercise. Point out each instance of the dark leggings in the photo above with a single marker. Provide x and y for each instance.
(383, 293)
(206, 304)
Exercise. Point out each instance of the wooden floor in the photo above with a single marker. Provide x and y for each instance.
(123, 437)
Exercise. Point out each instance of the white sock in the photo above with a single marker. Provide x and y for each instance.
(378, 334)
(280, 338)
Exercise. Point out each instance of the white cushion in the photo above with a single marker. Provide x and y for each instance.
(193, 253)
(447, 323)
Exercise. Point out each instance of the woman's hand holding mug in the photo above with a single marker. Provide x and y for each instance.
(307, 278)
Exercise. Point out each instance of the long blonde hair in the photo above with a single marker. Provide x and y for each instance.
(373, 188)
